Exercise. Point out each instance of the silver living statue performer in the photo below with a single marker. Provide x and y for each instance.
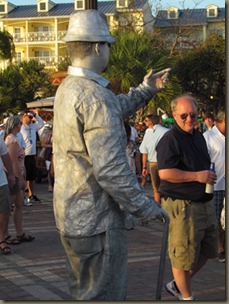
(95, 189)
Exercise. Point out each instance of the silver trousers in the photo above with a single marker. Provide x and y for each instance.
(97, 265)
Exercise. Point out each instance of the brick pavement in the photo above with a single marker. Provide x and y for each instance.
(36, 271)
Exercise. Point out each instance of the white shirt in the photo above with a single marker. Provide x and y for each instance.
(20, 140)
(3, 151)
(134, 134)
(30, 137)
(216, 148)
(150, 141)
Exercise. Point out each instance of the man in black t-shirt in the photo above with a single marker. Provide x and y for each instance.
(183, 164)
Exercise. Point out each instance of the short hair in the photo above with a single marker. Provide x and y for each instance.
(208, 115)
(154, 118)
(26, 111)
(220, 117)
(189, 97)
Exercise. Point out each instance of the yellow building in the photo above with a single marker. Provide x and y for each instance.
(188, 27)
(38, 29)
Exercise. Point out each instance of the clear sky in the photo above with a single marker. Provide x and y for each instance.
(164, 3)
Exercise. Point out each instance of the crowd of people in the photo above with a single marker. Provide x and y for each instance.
(19, 135)
(101, 165)
(176, 164)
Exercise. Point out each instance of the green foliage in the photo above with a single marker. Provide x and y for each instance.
(202, 72)
(63, 65)
(10, 79)
(21, 83)
(131, 57)
(7, 48)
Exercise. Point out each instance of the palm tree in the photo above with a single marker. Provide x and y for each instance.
(131, 57)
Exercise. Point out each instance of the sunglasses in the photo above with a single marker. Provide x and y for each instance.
(30, 116)
(193, 115)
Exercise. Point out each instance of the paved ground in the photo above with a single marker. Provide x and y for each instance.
(36, 271)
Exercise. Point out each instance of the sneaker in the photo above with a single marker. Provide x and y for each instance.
(172, 288)
(221, 257)
(33, 199)
(27, 202)
(192, 299)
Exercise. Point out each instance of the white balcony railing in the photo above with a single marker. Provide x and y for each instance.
(39, 36)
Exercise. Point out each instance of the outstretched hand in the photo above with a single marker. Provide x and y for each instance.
(157, 81)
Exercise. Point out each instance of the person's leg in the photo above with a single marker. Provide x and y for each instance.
(4, 222)
(17, 212)
(137, 160)
(30, 185)
(183, 278)
(183, 281)
(218, 202)
(5, 208)
(201, 262)
(97, 266)
(30, 168)
(192, 235)
(155, 180)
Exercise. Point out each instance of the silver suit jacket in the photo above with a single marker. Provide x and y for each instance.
(94, 186)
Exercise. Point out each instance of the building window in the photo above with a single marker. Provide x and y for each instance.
(41, 29)
(17, 32)
(79, 4)
(45, 57)
(41, 53)
(122, 3)
(2, 8)
(172, 14)
(42, 6)
(18, 56)
(211, 12)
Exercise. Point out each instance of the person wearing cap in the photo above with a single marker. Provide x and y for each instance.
(96, 195)
(31, 123)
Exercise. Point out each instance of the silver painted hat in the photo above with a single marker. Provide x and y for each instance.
(88, 26)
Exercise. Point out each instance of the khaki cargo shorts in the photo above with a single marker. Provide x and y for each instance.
(192, 232)
(155, 179)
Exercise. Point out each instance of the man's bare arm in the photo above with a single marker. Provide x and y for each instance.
(180, 176)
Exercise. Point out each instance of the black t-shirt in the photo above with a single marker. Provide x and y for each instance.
(182, 150)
